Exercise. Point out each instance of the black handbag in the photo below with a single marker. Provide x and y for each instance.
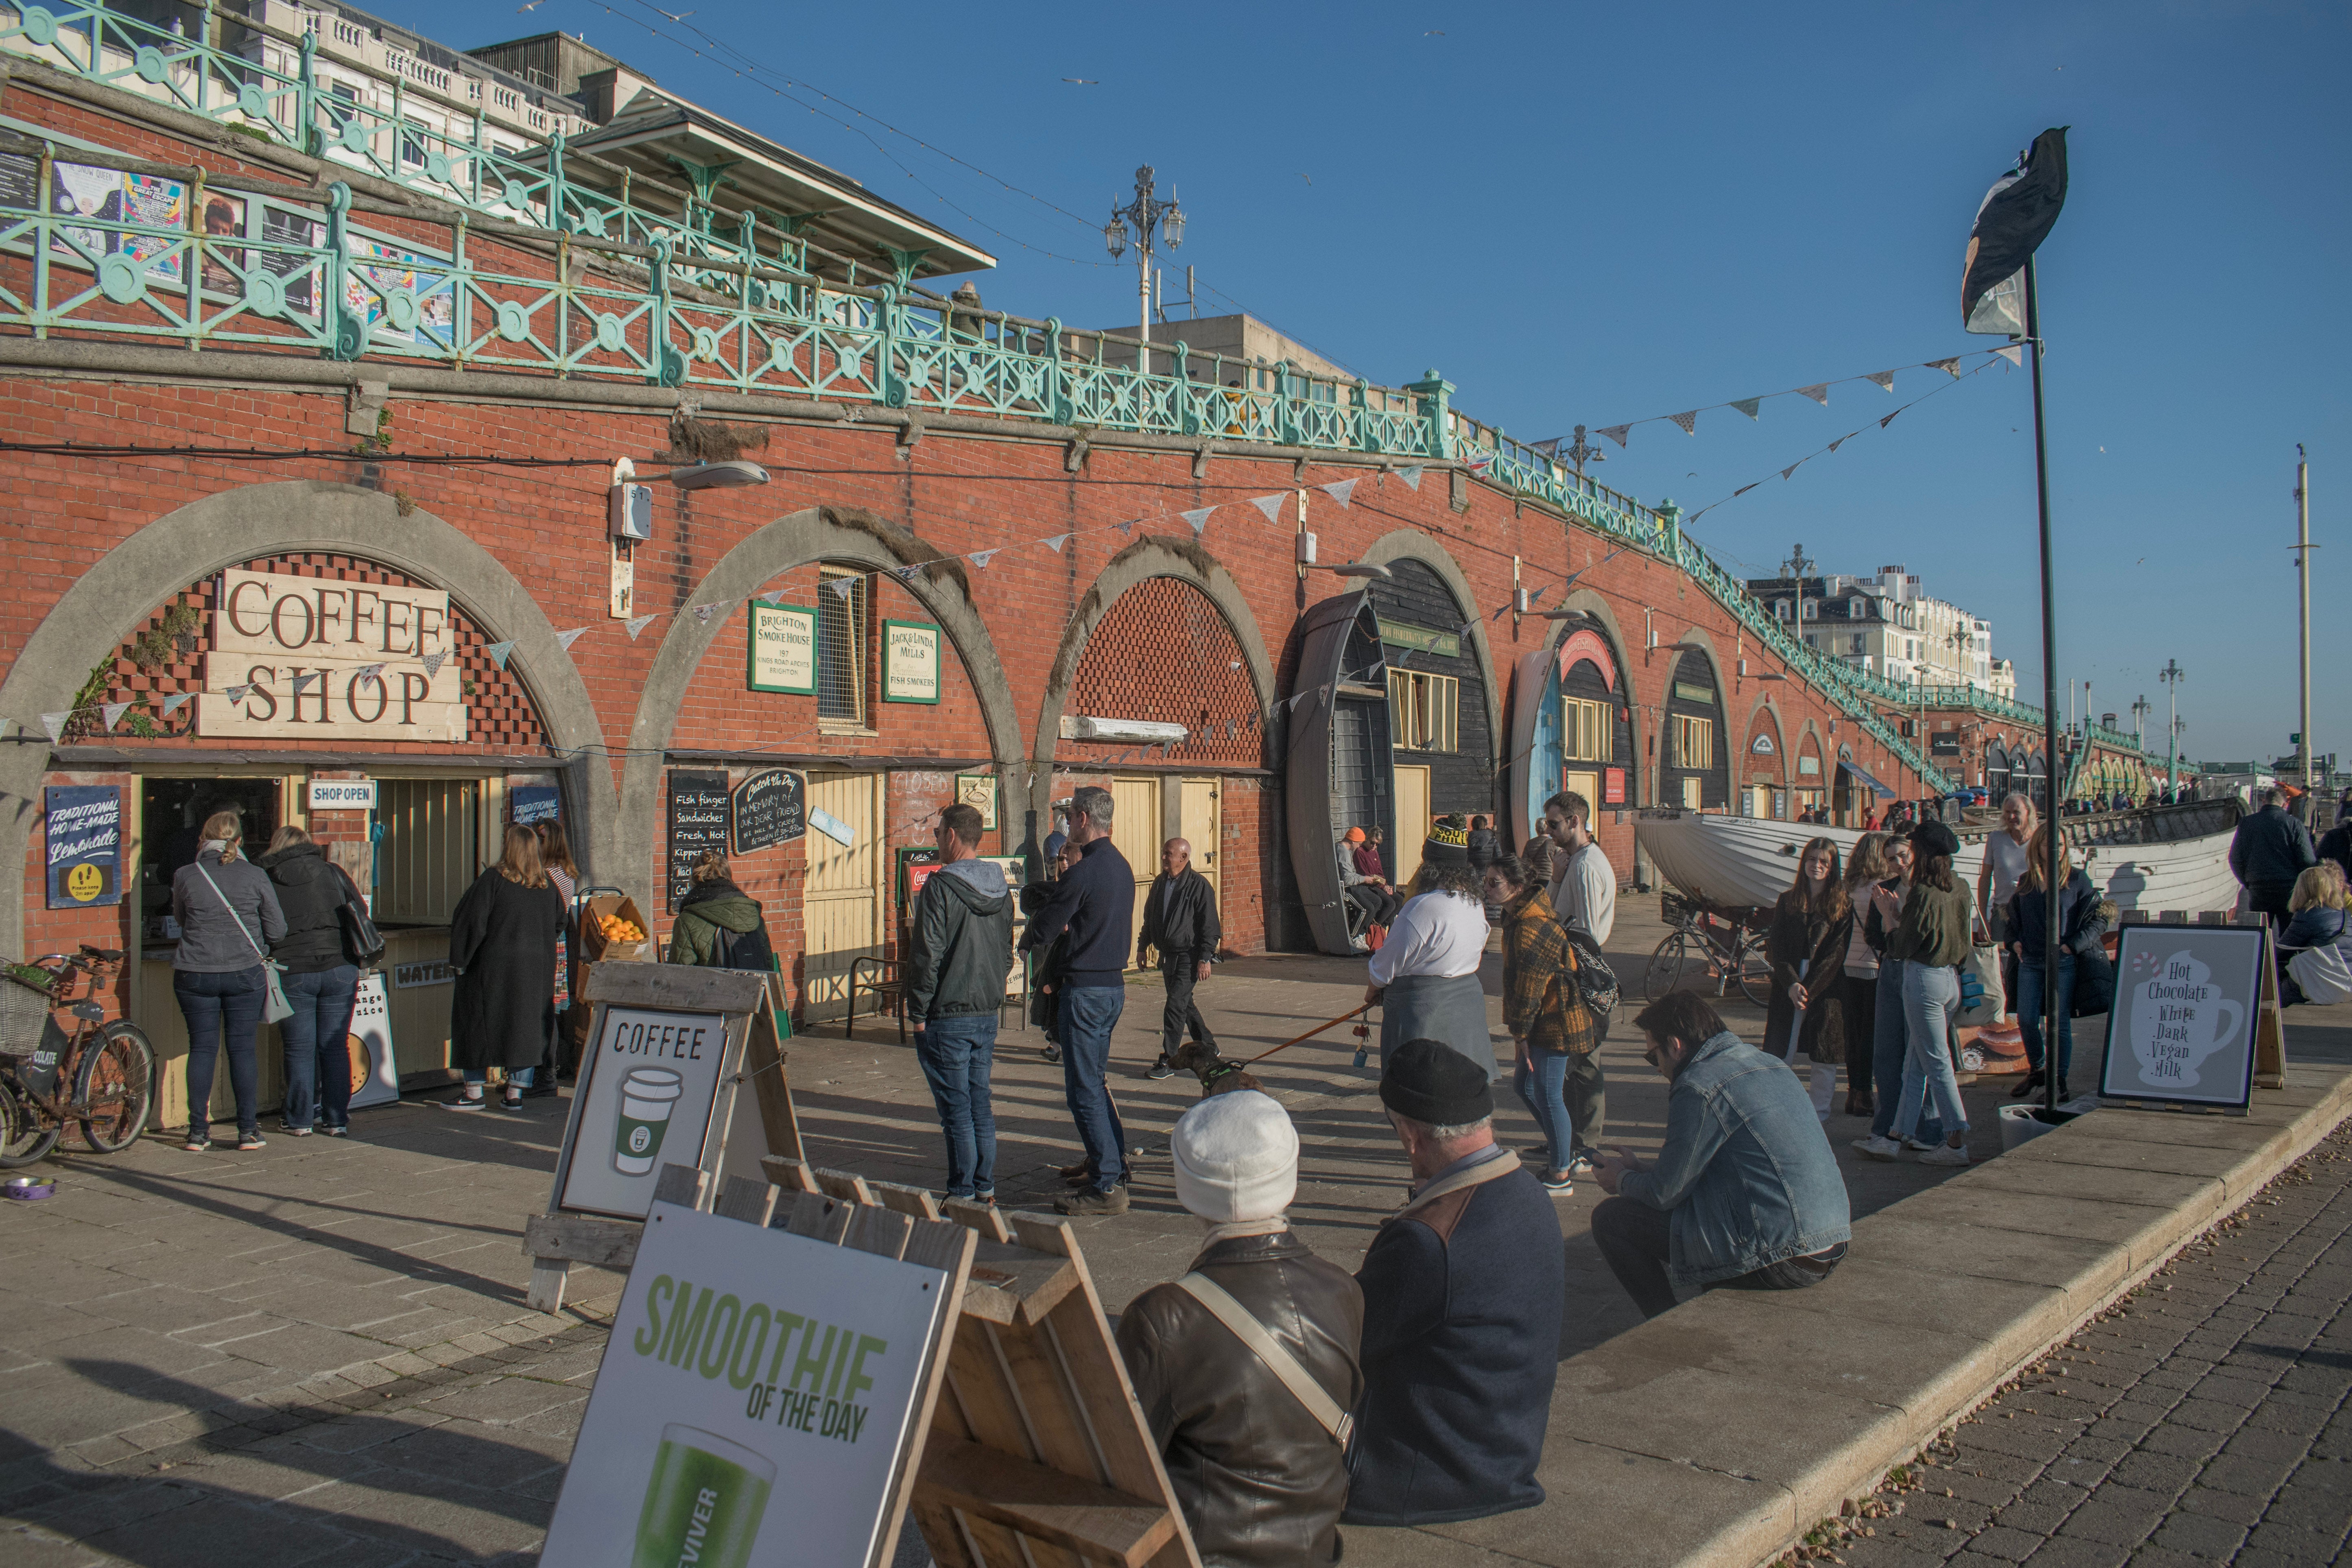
(2094, 984)
(363, 943)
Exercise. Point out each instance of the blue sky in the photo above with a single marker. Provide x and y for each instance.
(1598, 214)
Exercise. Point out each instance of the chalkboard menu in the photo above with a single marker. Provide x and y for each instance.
(770, 808)
(698, 822)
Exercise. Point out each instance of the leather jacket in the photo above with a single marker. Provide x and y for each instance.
(1260, 1481)
(1182, 926)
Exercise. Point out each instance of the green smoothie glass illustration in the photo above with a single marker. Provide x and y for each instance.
(647, 1097)
(703, 1502)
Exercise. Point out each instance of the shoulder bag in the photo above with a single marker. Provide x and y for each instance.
(363, 943)
(277, 1007)
(1595, 980)
(1268, 1349)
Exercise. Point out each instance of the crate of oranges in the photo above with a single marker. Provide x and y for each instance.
(613, 930)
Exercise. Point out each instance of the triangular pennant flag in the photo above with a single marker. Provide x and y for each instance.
(1840, 442)
(1198, 517)
(2012, 353)
(1539, 593)
(1249, 723)
(844, 586)
(1055, 543)
(906, 574)
(640, 623)
(1951, 365)
(1888, 420)
(1689, 422)
(980, 558)
(1792, 467)
(1499, 613)
(1268, 504)
(112, 712)
(499, 651)
(1325, 695)
(320, 676)
(1743, 489)
(1127, 528)
(1616, 432)
(565, 639)
(55, 723)
(1295, 702)
(1820, 394)
(1465, 628)
(434, 661)
(1479, 465)
(1338, 489)
(175, 703)
(375, 671)
(1884, 378)
(703, 613)
(1748, 406)
(1412, 477)
(235, 694)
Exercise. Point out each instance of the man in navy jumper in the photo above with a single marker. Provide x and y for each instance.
(1095, 903)
(1464, 1289)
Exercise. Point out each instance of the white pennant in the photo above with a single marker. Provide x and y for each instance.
(980, 558)
(113, 711)
(236, 694)
(1884, 378)
(704, 612)
(2014, 355)
(175, 703)
(565, 639)
(906, 574)
(844, 586)
(55, 723)
(375, 671)
(1055, 543)
(500, 651)
(640, 623)
(1268, 504)
(434, 661)
(1338, 489)
(1198, 517)
(1411, 475)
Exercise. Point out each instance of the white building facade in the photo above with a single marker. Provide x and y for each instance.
(1887, 626)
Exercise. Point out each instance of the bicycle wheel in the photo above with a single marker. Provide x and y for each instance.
(23, 1139)
(114, 1088)
(1669, 963)
(1755, 971)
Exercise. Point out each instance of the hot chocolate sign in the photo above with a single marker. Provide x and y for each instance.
(2182, 1027)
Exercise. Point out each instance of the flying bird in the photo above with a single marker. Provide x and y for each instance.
(534, 5)
(675, 16)
(1308, 178)
(1434, 33)
(1081, 81)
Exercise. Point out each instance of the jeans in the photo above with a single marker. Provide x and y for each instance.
(1634, 1239)
(318, 1050)
(1888, 1046)
(1179, 1015)
(2032, 987)
(519, 1077)
(1931, 995)
(955, 1053)
(222, 1007)
(1539, 1091)
(1088, 1016)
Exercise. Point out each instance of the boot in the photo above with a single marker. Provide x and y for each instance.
(2031, 1087)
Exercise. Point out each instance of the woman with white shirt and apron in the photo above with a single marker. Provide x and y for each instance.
(1425, 977)
(2006, 854)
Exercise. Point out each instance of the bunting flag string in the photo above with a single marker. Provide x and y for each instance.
(1055, 543)
(1689, 422)
(1884, 378)
(565, 639)
(113, 711)
(375, 671)
(55, 723)
(1820, 394)
(1748, 406)
(703, 613)
(500, 651)
(980, 558)
(1269, 505)
(175, 703)
(1198, 517)
(1339, 491)
(844, 586)
(1952, 365)
(236, 694)
(1127, 528)
(1412, 477)
(434, 661)
(1616, 432)
(1752, 406)
(301, 682)
(1888, 420)
(639, 624)
(2015, 356)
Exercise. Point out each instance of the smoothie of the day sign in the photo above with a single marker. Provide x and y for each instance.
(753, 1401)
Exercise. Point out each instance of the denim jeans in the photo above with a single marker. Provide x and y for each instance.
(2032, 988)
(1540, 1092)
(1634, 1239)
(1888, 1046)
(318, 1050)
(954, 1053)
(519, 1077)
(1931, 995)
(1089, 1014)
(221, 1007)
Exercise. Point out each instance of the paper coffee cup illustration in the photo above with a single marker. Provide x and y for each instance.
(703, 1502)
(647, 1097)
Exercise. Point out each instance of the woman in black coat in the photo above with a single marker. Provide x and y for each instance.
(1812, 925)
(502, 945)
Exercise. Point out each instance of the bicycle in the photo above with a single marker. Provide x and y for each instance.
(1696, 951)
(99, 1075)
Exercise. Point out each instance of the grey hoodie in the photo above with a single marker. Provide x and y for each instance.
(210, 940)
(961, 946)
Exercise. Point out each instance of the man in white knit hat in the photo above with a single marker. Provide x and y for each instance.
(1248, 1366)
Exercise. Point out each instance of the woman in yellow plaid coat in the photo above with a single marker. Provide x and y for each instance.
(1551, 1028)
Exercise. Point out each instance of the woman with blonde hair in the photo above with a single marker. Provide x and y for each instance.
(2027, 922)
(2315, 918)
(502, 943)
(1811, 927)
(228, 916)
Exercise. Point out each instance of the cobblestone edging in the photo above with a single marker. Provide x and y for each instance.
(2203, 1417)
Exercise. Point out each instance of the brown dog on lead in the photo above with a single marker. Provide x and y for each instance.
(1217, 1075)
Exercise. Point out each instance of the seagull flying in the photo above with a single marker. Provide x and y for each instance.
(675, 16)
(1081, 81)
(534, 5)
(1434, 33)
(1308, 178)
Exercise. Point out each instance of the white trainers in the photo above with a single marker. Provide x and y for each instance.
(1878, 1148)
(1944, 1155)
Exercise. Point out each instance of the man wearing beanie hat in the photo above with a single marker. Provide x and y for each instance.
(1464, 1289)
(1260, 1474)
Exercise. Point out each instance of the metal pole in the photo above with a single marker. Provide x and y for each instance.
(2049, 957)
(2303, 583)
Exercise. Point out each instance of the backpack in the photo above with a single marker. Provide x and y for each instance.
(1595, 980)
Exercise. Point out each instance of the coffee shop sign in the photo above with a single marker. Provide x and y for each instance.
(316, 656)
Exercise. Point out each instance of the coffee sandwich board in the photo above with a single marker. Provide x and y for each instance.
(792, 1374)
(669, 1047)
(2195, 1025)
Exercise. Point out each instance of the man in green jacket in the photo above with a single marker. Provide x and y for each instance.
(719, 924)
(960, 950)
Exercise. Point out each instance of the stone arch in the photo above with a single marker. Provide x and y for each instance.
(1408, 543)
(1765, 707)
(1184, 560)
(848, 535)
(284, 517)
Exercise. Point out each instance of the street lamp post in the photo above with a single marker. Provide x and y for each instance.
(1149, 215)
(1580, 452)
(2140, 708)
(2171, 675)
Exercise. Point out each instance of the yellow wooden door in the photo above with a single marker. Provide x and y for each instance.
(1411, 822)
(840, 900)
(1589, 786)
(1203, 830)
(1135, 833)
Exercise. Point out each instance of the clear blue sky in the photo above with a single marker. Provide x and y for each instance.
(1597, 214)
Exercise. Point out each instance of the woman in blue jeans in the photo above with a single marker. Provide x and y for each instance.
(321, 983)
(1889, 1035)
(228, 916)
(2028, 924)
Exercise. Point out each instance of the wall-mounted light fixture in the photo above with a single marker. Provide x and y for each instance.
(1360, 569)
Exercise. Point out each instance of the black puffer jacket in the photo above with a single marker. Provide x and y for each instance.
(1260, 1481)
(310, 889)
(1181, 926)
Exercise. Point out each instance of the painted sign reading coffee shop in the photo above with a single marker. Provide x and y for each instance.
(320, 658)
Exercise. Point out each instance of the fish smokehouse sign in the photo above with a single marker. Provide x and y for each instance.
(320, 658)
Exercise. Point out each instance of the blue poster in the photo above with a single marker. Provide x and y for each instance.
(535, 803)
(83, 826)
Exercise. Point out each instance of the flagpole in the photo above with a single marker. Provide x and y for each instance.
(2050, 950)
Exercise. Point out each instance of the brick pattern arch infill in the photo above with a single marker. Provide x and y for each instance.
(121, 590)
(1163, 652)
(1186, 560)
(843, 536)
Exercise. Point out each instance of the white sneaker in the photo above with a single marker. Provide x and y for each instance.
(1944, 1155)
(1917, 1147)
(1878, 1148)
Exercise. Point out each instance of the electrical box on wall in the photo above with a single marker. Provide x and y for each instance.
(632, 511)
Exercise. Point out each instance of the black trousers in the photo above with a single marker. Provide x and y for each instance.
(1633, 1239)
(1178, 1014)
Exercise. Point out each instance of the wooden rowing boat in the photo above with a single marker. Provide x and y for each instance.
(1339, 759)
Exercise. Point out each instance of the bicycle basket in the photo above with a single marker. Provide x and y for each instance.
(24, 1013)
(1672, 907)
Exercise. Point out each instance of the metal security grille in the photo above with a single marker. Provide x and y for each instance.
(1163, 652)
(841, 646)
